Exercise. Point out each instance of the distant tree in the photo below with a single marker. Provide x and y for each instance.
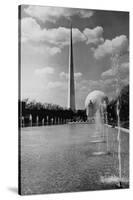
(124, 108)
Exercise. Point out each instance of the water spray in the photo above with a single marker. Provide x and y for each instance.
(107, 134)
(37, 121)
(30, 119)
(115, 70)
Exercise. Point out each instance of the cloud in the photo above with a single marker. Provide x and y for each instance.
(95, 85)
(56, 84)
(107, 74)
(109, 81)
(123, 72)
(125, 81)
(53, 50)
(40, 49)
(63, 75)
(111, 86)
(94, 35)
(44, 71)
(77, 75)
(52, 14)
(58, 37)
(107, 85)
(31, 31)
(118, 45)
(124, 68)
(89, 85)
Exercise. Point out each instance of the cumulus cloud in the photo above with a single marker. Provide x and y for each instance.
(95, 85)
(108, 85)
(89, 85)
(109, 81)
(118, 45)
(107, 74)
(77, 75)
(58, 37)
(63, 75)
(57, 84)
(54, 13)
(111, 86)
(123, 71)
(29, 49)
(44, 49)
(52, 50)
(31, 31)
(44, 71)
(124, 68)
(94, 35)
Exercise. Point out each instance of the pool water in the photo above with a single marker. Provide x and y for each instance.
(65, 158)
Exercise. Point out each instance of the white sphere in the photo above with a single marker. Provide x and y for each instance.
(97, 98)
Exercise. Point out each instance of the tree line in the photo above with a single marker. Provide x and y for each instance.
(48, 114)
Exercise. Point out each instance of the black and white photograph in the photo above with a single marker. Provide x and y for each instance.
(73, 99)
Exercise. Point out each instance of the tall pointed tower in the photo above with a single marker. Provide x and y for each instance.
(71, 88)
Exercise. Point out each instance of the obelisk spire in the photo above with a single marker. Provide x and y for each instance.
(71, 87)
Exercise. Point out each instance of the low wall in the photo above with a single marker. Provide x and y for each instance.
(122, 129)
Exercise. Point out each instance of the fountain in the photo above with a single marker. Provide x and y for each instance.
(105, 122)
(119, 181)
(100, 130)
(118, 84)
(115, 70)
(96, 107)
(43, 122)
(22, 121)
(37, 120)
(101, 134)
(30, 120)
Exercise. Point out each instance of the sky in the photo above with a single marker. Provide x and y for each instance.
(100, 41)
